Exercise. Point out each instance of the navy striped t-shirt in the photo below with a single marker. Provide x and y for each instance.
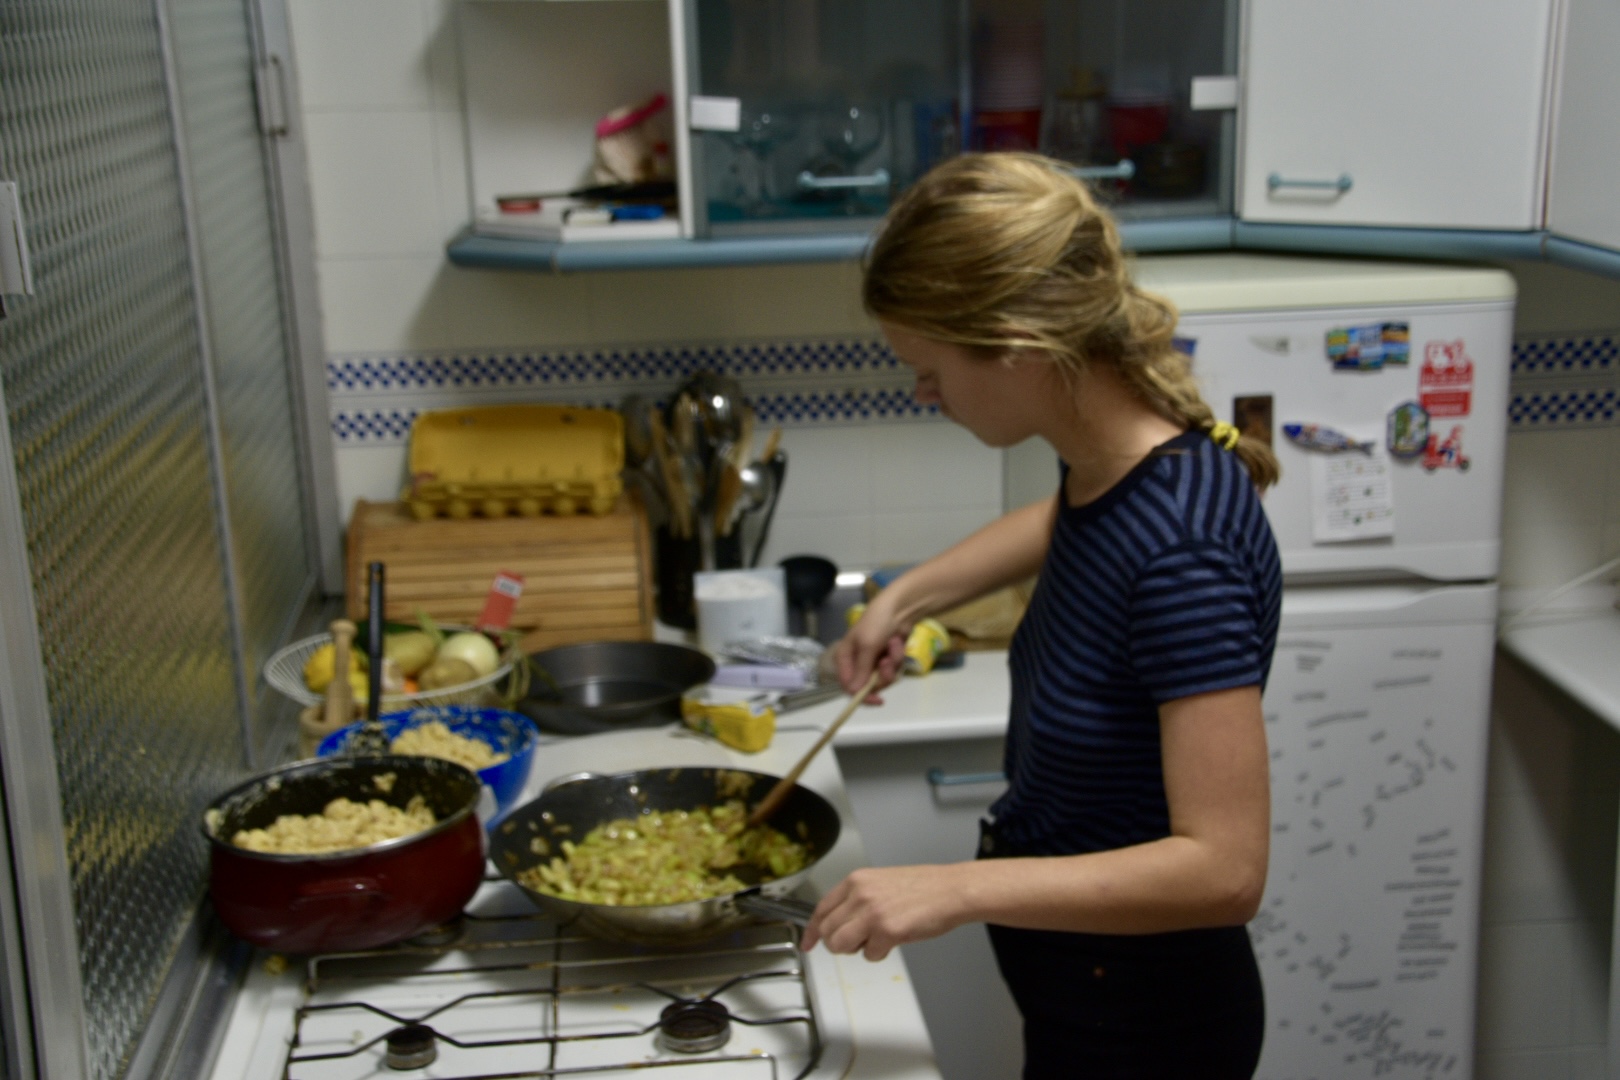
(1168, 585)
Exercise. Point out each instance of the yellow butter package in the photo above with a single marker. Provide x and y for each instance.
(748, 725)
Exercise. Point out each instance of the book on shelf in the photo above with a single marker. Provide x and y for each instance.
(561, 222)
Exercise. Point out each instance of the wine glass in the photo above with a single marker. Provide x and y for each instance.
(850, 131)
(761, 129)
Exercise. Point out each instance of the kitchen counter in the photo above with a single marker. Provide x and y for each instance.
(969, 702)
(1577, 651)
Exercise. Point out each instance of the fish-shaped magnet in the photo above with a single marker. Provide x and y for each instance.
(1322, 438)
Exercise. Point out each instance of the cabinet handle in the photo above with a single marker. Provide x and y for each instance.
(940, 778)
(1277, 181)
(809, 181)
(1123, 169)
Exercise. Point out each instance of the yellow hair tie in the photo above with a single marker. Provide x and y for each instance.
(1224, 435)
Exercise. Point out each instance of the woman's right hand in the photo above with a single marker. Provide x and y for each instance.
(877, 642)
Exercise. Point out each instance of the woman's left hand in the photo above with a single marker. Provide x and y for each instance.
(877, 908)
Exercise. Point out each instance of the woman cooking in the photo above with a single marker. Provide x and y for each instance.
(1130, 846)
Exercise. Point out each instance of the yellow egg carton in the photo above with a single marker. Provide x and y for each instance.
(497, 460)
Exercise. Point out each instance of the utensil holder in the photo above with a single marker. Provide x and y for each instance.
(677, 559)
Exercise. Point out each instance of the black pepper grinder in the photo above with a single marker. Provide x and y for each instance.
(371, 738)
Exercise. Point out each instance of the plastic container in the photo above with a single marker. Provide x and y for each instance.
(737, 605)
(505, 732)
(515, 459)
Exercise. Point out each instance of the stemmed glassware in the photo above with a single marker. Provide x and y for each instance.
(761, 130)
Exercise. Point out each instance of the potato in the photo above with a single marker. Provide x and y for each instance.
(443, 673)
(412, 650)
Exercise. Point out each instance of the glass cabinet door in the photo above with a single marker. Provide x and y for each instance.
(1117, 98)
(838, 105)
(830, 108)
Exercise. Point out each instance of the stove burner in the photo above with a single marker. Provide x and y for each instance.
(443, 934)
(694, 1027)
(413, 1046)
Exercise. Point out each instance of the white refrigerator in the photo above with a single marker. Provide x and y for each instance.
(1384, 388)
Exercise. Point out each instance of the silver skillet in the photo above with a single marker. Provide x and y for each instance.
(533, 833)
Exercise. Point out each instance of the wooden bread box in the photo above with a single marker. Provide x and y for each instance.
(585, 577)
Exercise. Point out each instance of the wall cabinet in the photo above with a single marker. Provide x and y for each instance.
(813, 114)
(1419, 113)
(921, 803)
(1418, 128)
(1581, 202)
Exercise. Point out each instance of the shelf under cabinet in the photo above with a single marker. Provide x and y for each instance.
(499, 253)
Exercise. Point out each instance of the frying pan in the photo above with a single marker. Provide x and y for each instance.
(534, 832)
(610, 685)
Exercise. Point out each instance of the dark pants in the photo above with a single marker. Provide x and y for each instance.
(1180, 1006)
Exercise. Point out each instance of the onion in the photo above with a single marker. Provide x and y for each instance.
(476, 649)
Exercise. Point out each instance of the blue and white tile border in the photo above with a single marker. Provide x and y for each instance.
(1565, 382)
(1559, 382)
(374, 397)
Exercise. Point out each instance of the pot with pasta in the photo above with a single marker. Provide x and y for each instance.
(345, 853)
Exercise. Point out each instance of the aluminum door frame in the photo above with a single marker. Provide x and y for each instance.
(293, 212)
(51, 1013)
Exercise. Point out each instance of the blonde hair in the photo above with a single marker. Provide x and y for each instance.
(1010, 251)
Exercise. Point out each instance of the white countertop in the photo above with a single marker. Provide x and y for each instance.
(969, 702)
(1577, 651)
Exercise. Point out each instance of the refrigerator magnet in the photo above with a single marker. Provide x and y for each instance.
(1325, 440)
(1446, 379)
(1187, 345)
(1445, 453)
(1397, 343)
(1406, 430)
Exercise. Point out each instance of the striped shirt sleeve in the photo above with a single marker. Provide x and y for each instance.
(1194, 624)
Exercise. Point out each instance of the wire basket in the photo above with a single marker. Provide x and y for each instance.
(284, 671)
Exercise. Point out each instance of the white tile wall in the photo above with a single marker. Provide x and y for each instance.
(1549, 869)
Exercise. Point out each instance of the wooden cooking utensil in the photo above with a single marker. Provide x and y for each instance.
(680, 507)
(773, 442)
(773, 798)
(725, 498)
(745, 439)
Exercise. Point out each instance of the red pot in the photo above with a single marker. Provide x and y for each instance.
(347, 900)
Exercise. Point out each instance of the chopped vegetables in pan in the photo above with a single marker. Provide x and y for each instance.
(668, 857)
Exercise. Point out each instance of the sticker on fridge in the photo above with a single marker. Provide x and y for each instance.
(1446, 380)
(1446, 453)
(1406, 430)
(1369, 347)
(1351, 498)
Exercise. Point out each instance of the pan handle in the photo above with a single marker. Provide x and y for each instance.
(754, 902)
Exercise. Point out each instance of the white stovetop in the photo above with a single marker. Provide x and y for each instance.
(886, 1037)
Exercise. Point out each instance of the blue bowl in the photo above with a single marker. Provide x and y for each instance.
(505, 732)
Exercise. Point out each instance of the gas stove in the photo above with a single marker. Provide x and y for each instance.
(505, 993)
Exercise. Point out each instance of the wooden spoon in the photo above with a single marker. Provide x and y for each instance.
(773, 799)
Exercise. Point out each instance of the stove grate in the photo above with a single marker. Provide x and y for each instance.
(553, 969)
